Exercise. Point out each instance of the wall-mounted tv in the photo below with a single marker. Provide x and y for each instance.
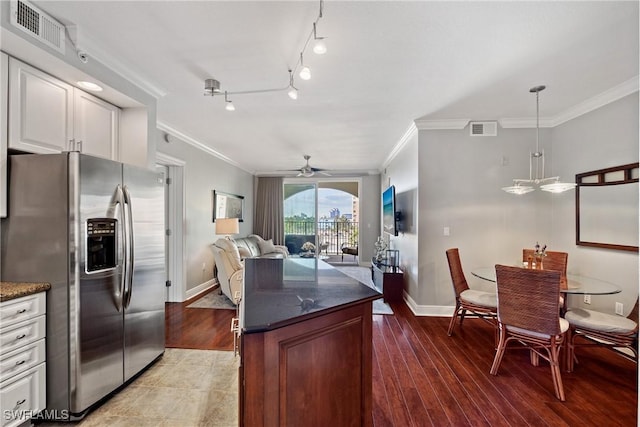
(389, 211)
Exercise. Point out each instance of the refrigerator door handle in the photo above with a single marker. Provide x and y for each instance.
(118, 200)
(129, 247)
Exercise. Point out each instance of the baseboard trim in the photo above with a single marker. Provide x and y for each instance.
(201, 288)
(427, 310)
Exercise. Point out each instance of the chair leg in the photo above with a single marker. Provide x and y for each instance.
(500, 351)
(554, 356)
(452, 324)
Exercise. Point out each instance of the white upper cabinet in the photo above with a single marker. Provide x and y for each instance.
(96, 125)
(47, 115)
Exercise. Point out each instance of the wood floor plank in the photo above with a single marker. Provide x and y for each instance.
(422, 377)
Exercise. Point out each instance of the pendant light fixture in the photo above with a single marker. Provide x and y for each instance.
(319, 47)
(551, 184)
(293, 91)
(229, 105)
(305, 72)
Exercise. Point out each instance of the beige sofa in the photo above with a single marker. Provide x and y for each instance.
(229, 256)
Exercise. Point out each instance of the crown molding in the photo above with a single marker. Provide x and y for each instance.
(425, 124)
(600, 100)
(408, 134)
(521, 123)
(172, 132)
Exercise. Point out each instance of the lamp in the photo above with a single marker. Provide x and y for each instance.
(293, 91)
(319, 48)
(305, 72)
(229, 106)
(553, 184)
(212, 86)
(227, 226)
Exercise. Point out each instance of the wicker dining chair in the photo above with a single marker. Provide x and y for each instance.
(601, 329)
(552, 261)
(528, 313)
(480, 303)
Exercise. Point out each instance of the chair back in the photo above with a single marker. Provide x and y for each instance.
(457, 275)
(634, 313)
(529, 299)
(553, 261)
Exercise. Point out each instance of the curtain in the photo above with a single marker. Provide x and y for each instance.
(269, 210)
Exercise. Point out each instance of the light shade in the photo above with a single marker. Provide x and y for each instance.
(230, 106)
(518, 189)
(293, 93)
(227, 226)
(319, 48)
(558, 187)
(305, 73)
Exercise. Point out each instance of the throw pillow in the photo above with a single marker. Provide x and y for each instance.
(266, 246)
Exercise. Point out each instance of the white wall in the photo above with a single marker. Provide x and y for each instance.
(459, 180)
(204, 173)
(602, 138)
(402, 172)
(370, 209)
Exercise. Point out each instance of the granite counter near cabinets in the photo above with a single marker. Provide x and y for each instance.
(12, 290)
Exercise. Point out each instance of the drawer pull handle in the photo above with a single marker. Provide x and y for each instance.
(19, 337)
(21, 362)
(20, 402)
(22, 310)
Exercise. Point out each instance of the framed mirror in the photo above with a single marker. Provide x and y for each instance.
(607, 208)
(227, 205)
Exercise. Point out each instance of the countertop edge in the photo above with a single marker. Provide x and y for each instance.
(14, 290)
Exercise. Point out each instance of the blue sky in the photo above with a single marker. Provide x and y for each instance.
(328, 199)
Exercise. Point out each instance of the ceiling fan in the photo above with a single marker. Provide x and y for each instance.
(307, 170)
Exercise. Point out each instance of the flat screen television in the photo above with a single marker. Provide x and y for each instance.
(389, 211)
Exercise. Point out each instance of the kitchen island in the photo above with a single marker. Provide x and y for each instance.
(306, 352)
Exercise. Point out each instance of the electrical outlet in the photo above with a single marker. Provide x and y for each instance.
(587, 299)
(204, 266)
(619, 309)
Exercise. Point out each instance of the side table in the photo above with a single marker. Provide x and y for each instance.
(389, 279)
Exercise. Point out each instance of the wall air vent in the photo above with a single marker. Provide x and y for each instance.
(38, 24)
(483, 128)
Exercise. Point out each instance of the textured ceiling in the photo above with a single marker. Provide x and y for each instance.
(388, 64)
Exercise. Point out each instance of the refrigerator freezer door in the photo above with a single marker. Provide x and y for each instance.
(96, 355)
(144, 299)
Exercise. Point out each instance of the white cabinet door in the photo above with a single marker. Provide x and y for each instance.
(4, 101)
(40, 110)
(96, 125)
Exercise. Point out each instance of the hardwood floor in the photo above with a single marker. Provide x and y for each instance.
(423, 377)
(197, 328)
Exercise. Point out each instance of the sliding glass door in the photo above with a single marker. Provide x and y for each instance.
(300, 213)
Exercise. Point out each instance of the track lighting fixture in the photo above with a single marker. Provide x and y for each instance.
(319, 48)
(305, 72)
(212, 86)
(293, 91)
(229, 106)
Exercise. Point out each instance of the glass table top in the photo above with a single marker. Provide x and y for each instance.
(575, 284)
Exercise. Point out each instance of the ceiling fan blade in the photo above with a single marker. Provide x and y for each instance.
(324, 173)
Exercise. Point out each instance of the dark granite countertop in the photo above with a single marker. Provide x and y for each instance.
(280, 292)
(12, 290)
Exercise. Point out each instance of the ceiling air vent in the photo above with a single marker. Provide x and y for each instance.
(38, 24)
(483, 128)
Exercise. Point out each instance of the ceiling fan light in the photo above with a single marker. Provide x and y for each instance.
(558, 187)
(305, 73)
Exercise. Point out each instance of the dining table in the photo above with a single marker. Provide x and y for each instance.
(576, 284)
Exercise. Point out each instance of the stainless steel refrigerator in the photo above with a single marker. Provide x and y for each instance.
(94, 229)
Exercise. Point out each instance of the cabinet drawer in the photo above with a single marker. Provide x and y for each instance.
(23, 396)
(23, 333)
(20, 309)
(21, 359)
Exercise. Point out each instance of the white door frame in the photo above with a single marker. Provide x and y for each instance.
(176, 210)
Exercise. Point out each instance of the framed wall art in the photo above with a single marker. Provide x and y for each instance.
(227, 205)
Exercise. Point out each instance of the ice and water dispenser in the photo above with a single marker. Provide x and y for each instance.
(101, 244)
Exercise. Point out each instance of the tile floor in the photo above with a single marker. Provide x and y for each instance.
(185, 388)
